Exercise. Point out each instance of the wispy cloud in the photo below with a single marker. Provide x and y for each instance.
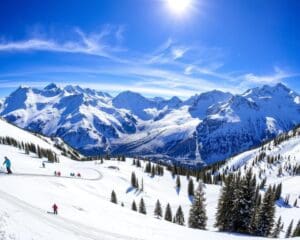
(91, 44)
(170, 69)
(277, 76)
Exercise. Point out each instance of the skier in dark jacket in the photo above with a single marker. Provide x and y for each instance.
(54, 209)
(7, 163)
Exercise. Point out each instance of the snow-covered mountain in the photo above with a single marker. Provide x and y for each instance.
(246, 120)
(84, 118)
(205, 128)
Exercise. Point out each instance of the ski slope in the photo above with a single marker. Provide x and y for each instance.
(85, 210)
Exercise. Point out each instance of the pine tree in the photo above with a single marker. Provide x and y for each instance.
(168, 213)
(191, 187)
(133, 180)
(225, 205)
(158, 210)
(179, 217)
(142, 185)
(278, 228)
(278, 191)
(198, 218)
(296, 232)
(265, 218)
(142, 207)
(153, 171)
(133, 206)
(295, 203)
(178, 184)
(39, 152)
(138, 163)
(244, 203)
(289, 230)
(113, 197)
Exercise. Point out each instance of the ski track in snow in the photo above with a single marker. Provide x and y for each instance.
(63, 223)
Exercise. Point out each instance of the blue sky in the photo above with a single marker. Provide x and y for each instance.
(144, 46)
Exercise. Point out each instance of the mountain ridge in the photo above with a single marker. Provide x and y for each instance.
(212, 125)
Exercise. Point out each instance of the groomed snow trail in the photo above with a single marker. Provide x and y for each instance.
(61, 223)
(53, 176)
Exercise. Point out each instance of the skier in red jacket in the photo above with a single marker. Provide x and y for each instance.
(54, 209)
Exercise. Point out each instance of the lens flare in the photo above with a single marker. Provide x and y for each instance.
(179, 7)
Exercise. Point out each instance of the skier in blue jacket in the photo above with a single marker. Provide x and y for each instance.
(7, 163)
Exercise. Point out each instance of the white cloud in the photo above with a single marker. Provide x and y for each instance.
(178, 52)
(188, 70)
(91, 44)
(171, 69)
(276, 77)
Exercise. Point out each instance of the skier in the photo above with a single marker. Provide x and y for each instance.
(55, 208)
(7, 163)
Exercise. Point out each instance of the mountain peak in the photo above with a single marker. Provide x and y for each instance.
(267, 90)
(282, 86)
(51, 86)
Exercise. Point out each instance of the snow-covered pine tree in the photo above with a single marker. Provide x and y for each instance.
(265, 218)
(168, 213)
(244, 203)
(225, 205)
(253, 223)
(191, 187)
(158, 209)
(289, 230)
(179, 217)
(277, 229)
(113, 197)
(142, 207)
(198, 218)
(133, 206)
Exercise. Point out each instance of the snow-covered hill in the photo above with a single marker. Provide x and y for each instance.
(85, 211)
(206, 128)
(275, 162)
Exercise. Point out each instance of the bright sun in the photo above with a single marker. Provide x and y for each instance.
(179, 6)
